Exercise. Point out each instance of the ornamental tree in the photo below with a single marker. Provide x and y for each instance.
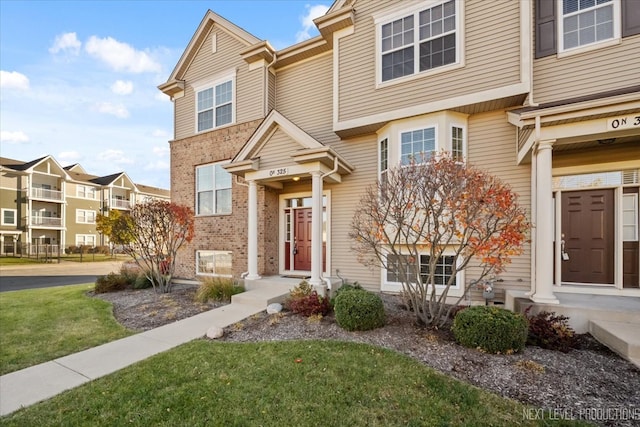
(152, 233)
(417, 214)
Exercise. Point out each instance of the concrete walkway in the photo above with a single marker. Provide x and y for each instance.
(34, 384)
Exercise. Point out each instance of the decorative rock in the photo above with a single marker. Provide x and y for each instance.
(274, 308)
(215, 332)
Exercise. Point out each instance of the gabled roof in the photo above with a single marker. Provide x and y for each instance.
(76, 167)
(210, 18)
(18, 165)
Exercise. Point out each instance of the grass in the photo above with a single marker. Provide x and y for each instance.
(301, 383)
(6, 260)
(40, 325)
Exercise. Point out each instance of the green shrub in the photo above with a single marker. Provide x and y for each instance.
(303, 289)
(355, 286)
(491, 329)
(309, 305)
(141, 282)
(217, 289)
(550, 331)
(110, 283)
(359, 310)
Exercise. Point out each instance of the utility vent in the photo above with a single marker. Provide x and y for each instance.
(630, 176)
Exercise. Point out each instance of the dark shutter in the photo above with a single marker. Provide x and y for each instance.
(630, 17)
(545, 28)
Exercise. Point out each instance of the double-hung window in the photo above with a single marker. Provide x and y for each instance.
(419, 41)
(215, 105)
(213, 190)
(418, 145)
(9, 217)
(86, 192)
(585, 22)
(443, 269)
(85, 216)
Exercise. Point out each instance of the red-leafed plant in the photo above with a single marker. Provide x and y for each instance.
(551, 331)
(419, 213)
(152, 233)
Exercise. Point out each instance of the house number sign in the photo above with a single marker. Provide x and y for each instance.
(624, 122)
(278, 172)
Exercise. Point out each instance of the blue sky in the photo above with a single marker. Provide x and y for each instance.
(78, 79)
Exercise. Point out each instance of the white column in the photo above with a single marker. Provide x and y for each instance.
(252, 232)
(316, 233)
(544, 226)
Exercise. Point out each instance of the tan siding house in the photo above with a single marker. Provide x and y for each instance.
(275, 169)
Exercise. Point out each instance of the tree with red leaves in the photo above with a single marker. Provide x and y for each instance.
(420, 213)
(152, 233)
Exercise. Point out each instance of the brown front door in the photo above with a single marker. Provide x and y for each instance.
(588, 229)
(302, 239)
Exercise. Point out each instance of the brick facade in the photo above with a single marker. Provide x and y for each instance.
(223, 232)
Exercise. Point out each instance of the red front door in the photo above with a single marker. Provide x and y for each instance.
(588, 229)
(302, 240)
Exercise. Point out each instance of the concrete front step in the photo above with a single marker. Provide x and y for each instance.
(621, 337)
(261, 297)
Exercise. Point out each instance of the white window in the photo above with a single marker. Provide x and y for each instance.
(214, 104)
(419, 40)
(9, 217)
(588, 22)
(442, 273)
(86, 192)
(85, 240)
(85, 216)
(213, 190)
(417, 145)
(214, 263)
(457, 143)
(630, 217)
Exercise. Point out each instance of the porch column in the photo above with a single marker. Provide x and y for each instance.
(252, 231)
(544, 225)
(316, 234)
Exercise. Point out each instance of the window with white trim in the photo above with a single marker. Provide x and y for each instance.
(214, 105)
(457, 143)
(85, 240)
(9, 216)
(86, 192)
(213, 190)
(587, 22)
(417, 145)
(630, 217)
(423, 40)
(442, 273)
(214, 263)
(84, 216)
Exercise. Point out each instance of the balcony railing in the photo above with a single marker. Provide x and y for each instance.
(120, 203)
(46, 221)
(46, 194)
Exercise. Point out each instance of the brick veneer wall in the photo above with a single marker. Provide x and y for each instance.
(223, 232)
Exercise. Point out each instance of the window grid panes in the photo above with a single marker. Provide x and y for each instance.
(406, 51)
(457, 144)
(417, 145)
(85, 216)
(215, 106)
(442, 273)
(586, 22)
(384, 155)
(213, 190)
(9, 217)
(630, 217)
(85, 240)
(214, 263)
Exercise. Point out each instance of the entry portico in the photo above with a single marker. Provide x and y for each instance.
(279, 152)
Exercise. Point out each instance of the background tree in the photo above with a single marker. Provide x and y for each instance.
(437, 207)
(152, 233)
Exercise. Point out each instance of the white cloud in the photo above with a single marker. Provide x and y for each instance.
(67, 42)
(122, 87)
(313, 12)
(118, 110)
(114, 156)
(121, 56)
(157, 165)
(69, 156)
(16, 137)
(161, 151)
(160, 133)
(13, 80)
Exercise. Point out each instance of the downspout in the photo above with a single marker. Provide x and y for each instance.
(530, 101)
(322, 177)
(534, 203)
(266, 84)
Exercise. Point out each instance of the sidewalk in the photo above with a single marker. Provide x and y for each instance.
(34, 384)
(64, 268)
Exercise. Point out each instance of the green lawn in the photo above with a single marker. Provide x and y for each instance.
(40, 325)
(295, 383)
(6, 260)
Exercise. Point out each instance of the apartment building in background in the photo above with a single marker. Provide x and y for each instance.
(43, 203)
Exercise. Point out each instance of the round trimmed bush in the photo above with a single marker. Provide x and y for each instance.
(492, 329)
(359, 310)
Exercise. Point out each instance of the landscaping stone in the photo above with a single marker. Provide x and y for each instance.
(215, 332)
(274, 308)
